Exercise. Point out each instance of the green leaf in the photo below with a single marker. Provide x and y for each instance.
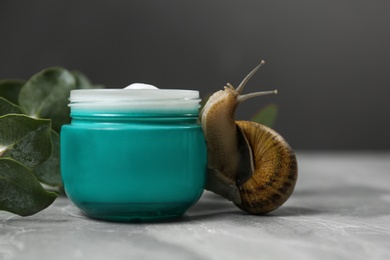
(20, 191)
(45, 95)
(266, 116)
(204, 100)
(25, 139)
(83, 82)
(49, 172)
(7, 107)
(9, 89)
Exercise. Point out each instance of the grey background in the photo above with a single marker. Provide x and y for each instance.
(330, 60)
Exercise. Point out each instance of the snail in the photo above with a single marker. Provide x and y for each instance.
(248, 163)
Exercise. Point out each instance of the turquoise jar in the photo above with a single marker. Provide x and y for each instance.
(133, 155)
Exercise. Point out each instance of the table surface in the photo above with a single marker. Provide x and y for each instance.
(340, 210)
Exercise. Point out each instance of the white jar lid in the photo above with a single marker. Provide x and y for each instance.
(138, 101)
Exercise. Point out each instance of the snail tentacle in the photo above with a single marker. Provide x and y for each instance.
(240, 87)
(242, 98)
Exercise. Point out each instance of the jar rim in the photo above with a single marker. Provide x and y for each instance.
(129, 95)
(134, 102)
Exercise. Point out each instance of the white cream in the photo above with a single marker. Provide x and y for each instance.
(140, 86)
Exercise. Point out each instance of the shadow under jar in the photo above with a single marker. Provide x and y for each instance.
(133, 155)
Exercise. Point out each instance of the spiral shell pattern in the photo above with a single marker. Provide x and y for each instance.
(275, 170)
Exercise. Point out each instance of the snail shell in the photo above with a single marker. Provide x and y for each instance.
(249, 163)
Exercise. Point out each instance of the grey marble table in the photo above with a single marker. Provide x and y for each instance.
(340, 210)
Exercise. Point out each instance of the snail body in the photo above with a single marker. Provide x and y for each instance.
(249, 163)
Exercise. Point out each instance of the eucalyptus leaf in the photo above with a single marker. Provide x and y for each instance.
(9, 89)
(266, 116)
(45, 95)
(7, 107)
(204, 100)
(25, 139)
(49, 172)
(20, 191)
(83, 82)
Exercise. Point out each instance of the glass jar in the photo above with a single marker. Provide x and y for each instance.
(133, 155)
